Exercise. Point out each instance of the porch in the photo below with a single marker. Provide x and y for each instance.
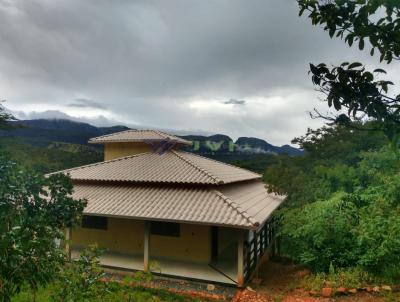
(211, 254)
(168, 267)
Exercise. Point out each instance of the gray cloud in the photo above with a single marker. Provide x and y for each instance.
(235, 102)
(85, 103)
(169, 64)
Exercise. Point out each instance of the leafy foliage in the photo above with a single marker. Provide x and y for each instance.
(377, 21)
(345, 211)
(82, 280)
(34, 212)
(348, 278)
(319, 233)
(328, 166)
(351, 86)
(5, 118)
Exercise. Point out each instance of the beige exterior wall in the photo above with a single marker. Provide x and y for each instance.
(194, 244)
(127, 236)
(122, 235)
(117, 150)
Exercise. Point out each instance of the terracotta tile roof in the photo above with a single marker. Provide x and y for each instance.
(138, 136)
(170, 167)
(226, 207)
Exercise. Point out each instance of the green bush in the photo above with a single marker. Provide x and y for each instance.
(357, 226)
(322, 233)
(82, 280)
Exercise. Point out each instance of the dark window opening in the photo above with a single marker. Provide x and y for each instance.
(94, 222)
(165, 229)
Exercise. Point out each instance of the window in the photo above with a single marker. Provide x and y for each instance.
(165, 229)
(94, 222)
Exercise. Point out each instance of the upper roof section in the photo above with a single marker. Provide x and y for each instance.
(138, 136)
(170, 167)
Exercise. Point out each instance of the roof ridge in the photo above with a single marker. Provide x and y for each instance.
(100, 163)
(220, 162)
(164, 134)
(237, 208)
(161, 134)
(110, 134)
(216, 179)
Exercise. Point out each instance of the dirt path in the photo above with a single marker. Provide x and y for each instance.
(281, 282)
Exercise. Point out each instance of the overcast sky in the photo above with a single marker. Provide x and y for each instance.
(233, 67)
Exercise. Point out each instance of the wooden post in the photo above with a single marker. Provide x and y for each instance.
(68, 235)
(146, 247)
(240, 272)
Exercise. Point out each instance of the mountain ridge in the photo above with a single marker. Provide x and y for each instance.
(46, 131)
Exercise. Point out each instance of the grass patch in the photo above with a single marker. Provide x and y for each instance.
(117, 293)
(348, 278)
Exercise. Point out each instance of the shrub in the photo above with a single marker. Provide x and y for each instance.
(358, 228)
(82, 280)
(348, 278)
(321, 233)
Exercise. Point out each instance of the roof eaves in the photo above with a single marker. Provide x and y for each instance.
(252, 223)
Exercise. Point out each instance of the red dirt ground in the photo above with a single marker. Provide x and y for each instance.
(280, 282)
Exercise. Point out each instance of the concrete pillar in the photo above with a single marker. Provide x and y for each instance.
(240, 264)
(146, 247)
(68, 235)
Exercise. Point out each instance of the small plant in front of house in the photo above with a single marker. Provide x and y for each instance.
(82, 280)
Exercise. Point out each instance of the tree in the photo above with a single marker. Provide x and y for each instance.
(356, 224)
(5, 118)
(331, 154)
(350, 86)
(34, 213)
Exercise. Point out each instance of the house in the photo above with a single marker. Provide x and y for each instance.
(149, 201)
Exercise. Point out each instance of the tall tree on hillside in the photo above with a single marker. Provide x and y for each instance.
(353, 91)
(5, 118)
(34, 213)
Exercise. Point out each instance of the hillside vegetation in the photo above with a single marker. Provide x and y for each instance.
(51, 157)
(342, 209)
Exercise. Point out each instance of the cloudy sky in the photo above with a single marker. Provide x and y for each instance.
(233, 67)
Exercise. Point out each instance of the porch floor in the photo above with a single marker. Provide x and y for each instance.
(169, 267)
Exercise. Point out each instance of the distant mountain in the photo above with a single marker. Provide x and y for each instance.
(42, 132)
(220, 144)
(45, 132)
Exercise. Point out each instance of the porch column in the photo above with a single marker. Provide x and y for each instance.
(255, 248)
(67, 243)
(240, 264)
(146, 246)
